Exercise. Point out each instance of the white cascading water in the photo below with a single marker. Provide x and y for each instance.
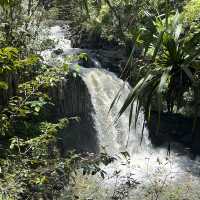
(114, 138)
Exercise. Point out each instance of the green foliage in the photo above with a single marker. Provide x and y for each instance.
(11, 62)
(8, 57)
(120, 20)
(30, 161)
(20, 21)
(172, 70)
(28, 139)
(191, 11)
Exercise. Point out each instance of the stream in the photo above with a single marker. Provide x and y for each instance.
(142, 168)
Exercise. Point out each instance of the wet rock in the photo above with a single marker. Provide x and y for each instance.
(113, 60)
(90, 40)
(111, 55)
(173, 127)
(58, 51)
(72, 100)
(89, 62)
(186, 139)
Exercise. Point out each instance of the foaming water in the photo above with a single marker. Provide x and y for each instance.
(57, 35)
(144, 163)
(143, 160)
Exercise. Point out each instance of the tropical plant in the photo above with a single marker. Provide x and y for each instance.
(172, 69)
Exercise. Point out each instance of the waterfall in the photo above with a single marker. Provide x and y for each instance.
(103, 86)
(115, 137)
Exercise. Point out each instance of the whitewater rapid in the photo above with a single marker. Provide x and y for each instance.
(144, 162)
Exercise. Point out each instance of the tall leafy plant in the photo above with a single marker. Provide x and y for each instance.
(172, 70)
(19, 22)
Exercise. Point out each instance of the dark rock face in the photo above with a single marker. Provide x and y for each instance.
(111, 60)
(174, 127)
(90, 40)
(112, 56)
(46, 3)
(58, 51)
(72, 100)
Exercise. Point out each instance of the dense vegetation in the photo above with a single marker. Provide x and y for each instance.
(31, 165)
(162, 43)
(161, 39)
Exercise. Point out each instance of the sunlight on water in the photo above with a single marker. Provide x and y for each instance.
(145, 163)
(144, 159)
(56, 34)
